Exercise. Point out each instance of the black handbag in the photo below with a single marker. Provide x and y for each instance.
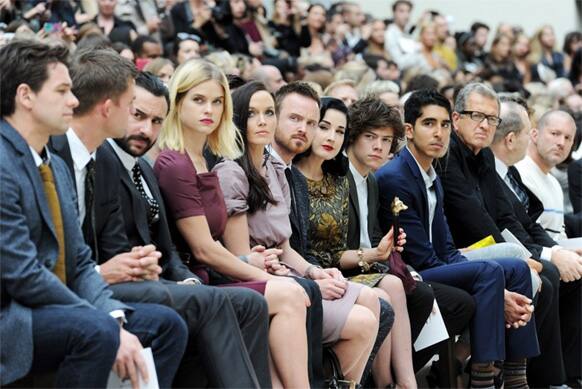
(332, 370)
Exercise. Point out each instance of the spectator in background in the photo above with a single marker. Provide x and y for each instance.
(548, 63)
(480, 32)
(316, 25)
(289, 34)
(399, 41)
(185, 46)
(123, 50)
(345, 90)
(387, 91)
(499, 66)
(520, 51)
(146, 49)
(425, 58)
(270, 76)
(572, 42)
(576, 70)
(116, 29)
(376, 41)
(442, 47)
(163, 68)
(143, 14)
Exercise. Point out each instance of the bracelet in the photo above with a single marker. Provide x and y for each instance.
(244, 258)
(309, 269)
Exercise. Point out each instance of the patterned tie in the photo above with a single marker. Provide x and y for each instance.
(153, 206)
(52, 197)
(518, 190)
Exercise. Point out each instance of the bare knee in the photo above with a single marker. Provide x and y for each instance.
(361, 323)
(381, 293)
(285, 297)
(369, 299)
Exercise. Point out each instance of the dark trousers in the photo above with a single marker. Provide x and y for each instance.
(570, 321)
(80, 344)
(314, 325)
(162, 329)
(485, 281)
(456, 306)
(548, 368)
(228, 332)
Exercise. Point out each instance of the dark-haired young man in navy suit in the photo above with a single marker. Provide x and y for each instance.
(501, 328)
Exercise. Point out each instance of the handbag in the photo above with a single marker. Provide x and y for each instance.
(398, 268)
(332, 371)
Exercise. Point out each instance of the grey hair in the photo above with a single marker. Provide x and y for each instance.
(476, 87)
(511, 120)
(376, 88)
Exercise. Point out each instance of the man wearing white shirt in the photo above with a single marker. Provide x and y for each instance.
(399, 43)
(550, 144)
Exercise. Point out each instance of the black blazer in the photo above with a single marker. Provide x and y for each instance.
(373, 199)
(109, 231)
(299, 216)
(134, 211)
(537, 236)
(475, 203)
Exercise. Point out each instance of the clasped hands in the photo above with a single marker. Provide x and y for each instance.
(518, 309)
(140, 264)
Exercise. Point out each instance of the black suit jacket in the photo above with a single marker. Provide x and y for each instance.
(109, 231)
(374, 230)
(475, 203)
(134, 211)
(538, 238)
(299, 216)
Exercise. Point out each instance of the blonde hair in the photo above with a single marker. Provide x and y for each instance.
(157, 64)
(377, 88)
(226, 140)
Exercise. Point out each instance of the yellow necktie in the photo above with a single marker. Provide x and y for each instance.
(52, 197)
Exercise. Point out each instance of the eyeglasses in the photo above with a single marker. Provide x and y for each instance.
(478, 117)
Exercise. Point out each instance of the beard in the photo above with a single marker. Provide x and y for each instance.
(125, 145)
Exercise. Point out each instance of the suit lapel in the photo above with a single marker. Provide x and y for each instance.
(419, 182)
(354, 201)
(372, 205)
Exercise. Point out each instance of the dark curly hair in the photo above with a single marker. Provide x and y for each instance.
(372, 113)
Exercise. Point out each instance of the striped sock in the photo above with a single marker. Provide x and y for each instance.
(514, 372)
(482, 375)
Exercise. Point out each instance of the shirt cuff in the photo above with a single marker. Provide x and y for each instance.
(547, 252)
(118, 315)
(191, 281)
(98, 269)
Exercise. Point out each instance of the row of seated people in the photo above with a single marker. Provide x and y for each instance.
(225, 206)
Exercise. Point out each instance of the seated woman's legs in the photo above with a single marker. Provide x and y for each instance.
(358, 335)
(287, 334)
(398, 342)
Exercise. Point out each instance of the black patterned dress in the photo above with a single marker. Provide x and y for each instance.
(328, 224)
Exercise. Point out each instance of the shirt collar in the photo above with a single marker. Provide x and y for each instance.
(276, 155)
(128, 161)
(429, 177)
(358, 178)
(501, 168)
(38, 160)
(79, 152)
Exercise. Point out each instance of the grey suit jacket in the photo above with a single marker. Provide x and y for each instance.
(29, 249)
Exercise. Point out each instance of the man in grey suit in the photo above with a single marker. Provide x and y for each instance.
(57, 313)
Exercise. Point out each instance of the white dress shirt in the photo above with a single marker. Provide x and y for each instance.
(429, 179)
(81, 158)
(128, 161)
(362, 190)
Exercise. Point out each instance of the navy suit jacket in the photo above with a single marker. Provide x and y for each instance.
(29, 250)
(401, 177)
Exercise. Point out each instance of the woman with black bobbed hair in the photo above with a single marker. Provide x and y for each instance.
(325, 166)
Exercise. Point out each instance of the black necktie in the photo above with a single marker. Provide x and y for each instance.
(289, 176)
(518, 190)
(153, 206)
(89, 221)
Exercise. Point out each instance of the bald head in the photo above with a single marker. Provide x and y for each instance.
(552, 140)
(270, 76)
